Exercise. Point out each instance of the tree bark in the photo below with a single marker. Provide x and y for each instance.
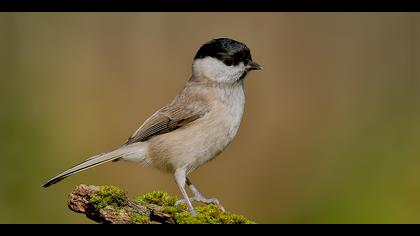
(110, 205)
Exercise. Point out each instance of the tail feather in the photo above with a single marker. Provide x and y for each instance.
(87, 164)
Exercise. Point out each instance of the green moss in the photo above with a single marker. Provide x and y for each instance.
(158, 198)
(108, 195)
(174, 209)
(210, 214)
(140, 219)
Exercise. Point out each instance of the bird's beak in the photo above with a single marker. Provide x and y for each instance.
(253, 66)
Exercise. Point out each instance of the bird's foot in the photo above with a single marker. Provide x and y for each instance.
(202, 200)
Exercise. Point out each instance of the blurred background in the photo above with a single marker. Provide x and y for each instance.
(330, 133)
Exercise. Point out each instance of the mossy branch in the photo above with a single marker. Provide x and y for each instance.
(109, 204)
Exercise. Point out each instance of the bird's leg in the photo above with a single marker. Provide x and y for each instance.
(180, 178)
(199, 197)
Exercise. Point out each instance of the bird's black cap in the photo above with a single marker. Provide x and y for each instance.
(229, 51)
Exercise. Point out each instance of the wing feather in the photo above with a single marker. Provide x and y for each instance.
(167, 119)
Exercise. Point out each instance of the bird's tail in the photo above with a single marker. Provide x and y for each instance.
(125, 151)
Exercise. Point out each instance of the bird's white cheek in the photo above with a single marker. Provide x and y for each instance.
(216, 70)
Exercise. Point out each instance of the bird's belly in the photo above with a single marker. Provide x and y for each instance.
(190, 147)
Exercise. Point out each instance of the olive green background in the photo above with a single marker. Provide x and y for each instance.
(330, 134)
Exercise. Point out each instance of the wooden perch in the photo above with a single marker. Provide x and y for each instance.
(109, 204)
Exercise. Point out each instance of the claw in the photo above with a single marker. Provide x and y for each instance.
(193, 213)
(182, 201)
(202, 200)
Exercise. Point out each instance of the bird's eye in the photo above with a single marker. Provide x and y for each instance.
(228, 61)
(239, 58)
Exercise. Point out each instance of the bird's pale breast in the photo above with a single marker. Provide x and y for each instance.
(203, 139)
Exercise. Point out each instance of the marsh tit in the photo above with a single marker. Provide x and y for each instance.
(196, 126)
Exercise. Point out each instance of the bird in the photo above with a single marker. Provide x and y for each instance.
(196, 126)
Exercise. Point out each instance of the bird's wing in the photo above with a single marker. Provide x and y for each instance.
(165, 120)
